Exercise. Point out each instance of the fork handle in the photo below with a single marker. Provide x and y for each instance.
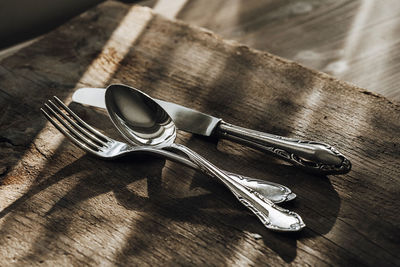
(277, 193)
(272, 216)
(310, 155)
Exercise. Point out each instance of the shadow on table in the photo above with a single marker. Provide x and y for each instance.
(157, 69)
(37, 73)
(72, 189)
(216, 213)
(217, 210)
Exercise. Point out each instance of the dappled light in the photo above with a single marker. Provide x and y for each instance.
(62, 206)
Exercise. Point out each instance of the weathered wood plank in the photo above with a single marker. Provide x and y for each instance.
(357, 41)
(59, 206)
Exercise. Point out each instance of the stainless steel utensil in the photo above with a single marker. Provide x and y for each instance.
(142, 121)
(100, 145)
(309, 155)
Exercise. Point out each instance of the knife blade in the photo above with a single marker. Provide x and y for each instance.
(185, 119)
(310, 155)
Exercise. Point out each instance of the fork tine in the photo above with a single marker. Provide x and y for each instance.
(78, 127)
(73, 139)
(71, 129)
(83, 123)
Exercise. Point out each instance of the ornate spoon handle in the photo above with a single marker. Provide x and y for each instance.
(272, 216)
(310, 155)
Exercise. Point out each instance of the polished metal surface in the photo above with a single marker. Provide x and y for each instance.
(90, 96)
(185, 119)
(138, 116)
(190, 120)
(309, 155)
(96, 143)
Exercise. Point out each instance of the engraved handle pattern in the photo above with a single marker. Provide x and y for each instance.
(271, 215)
(310, 155)
(277, 193)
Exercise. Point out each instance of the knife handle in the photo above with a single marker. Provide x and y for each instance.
(313, 156)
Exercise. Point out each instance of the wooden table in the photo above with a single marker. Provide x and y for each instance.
(59, 206)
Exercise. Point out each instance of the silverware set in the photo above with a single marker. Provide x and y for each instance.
(150, 126)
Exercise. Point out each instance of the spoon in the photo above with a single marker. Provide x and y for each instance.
(144, 122)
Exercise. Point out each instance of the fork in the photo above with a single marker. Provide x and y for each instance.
(92, 141)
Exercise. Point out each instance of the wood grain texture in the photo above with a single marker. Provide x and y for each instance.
(59, 206)
(357, 41)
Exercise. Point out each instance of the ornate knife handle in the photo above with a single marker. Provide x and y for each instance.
(310, 155)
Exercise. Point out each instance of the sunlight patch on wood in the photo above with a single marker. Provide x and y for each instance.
(169, 8)
(117, 47)
(245, 253)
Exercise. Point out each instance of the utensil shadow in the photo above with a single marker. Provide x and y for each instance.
(320, 215)
(71, 189)
(59, 213)
(166, 205)
(317, 200)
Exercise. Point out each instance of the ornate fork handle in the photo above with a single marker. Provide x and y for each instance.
(277, 193)
(310, 155)
(271, 215)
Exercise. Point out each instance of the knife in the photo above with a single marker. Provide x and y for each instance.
(309, 155)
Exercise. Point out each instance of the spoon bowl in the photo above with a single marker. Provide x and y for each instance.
(139, 118)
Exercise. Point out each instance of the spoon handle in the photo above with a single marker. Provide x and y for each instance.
(310, 155)
(271, 215)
